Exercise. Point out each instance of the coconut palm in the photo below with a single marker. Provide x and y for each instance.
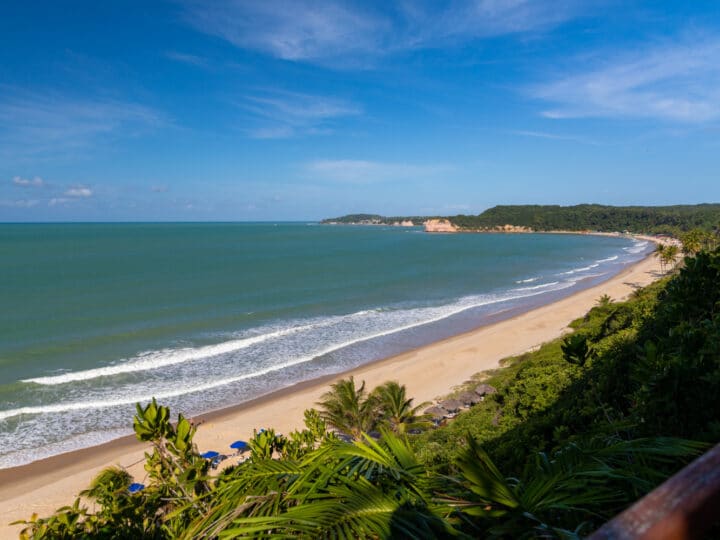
(671, 253)
(397, 409)
(349, 409)
(660, 254)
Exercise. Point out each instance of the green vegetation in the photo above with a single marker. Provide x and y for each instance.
(373, 219)
(576, 431)
(670, 220)
(595, 217)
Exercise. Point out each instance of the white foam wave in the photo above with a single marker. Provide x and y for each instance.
(454, 309)
(609, 259)
(636, 248)
(543, 286)
(528, 280)
(165, 358)
(578, 270)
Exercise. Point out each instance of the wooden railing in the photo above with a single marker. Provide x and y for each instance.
(684, 507)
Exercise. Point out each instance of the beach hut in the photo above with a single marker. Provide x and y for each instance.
(485, 389)
(469, 398)
(436, 412)
(452, 405)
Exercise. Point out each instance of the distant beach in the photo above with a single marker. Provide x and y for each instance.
(428, 372)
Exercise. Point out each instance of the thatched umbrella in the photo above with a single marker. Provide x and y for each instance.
(452, 405)
(436, 412)
(485, 389)
(469, 398)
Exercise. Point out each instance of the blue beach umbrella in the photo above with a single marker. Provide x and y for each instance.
(239, 445)
(210, 454)
(135, 487)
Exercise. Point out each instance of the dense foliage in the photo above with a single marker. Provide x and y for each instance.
(375, 219)
(595, 217)
(582, 217)
(576, 431)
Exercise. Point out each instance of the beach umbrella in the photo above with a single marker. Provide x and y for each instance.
(135, 487)
(210, 454)
(239, 445)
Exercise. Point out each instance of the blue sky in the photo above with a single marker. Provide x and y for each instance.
(296, 110)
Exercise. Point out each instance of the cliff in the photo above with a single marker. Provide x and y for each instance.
(439, 225)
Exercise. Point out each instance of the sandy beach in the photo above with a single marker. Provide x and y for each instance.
(428, 372)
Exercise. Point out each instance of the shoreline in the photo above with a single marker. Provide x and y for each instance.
(428, 372)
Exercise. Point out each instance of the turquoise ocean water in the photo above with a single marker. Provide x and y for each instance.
(97, 317)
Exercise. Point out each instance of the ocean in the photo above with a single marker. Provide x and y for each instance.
(97, 317)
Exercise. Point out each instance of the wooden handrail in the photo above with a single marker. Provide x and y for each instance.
(683, 507)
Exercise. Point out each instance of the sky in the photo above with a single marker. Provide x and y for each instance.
(188, 110)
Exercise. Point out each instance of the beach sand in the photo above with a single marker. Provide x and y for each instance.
(427, 372)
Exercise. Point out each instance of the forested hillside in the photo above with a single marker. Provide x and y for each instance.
(584, 217)
(595, 217)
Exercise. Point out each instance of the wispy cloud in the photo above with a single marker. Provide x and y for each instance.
(79, 191)
(55, 201)
(552, 136)
(277, 115)
(354, 171)
(19, 203)
(429, 23)
(37, 123)
(677, 81)
(350, 33)
(291, 29)
(35, 182)
(186, 58)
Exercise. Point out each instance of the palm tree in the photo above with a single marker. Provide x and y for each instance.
(660, 254)
(397, 409)
(349, 409)
(671, 253)
(106, 486)
(367, 489)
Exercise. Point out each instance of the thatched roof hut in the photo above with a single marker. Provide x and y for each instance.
(452, 405)
(436, 412)
(469, 398)
(485, 389)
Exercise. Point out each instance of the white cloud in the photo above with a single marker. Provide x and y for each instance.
(364, 172)
(21, 203)
(349, 33)
(78, 191)
(677, 81)
(28, 182)
(551, 136)
(290, 29)
(37, 123)
(185, 58)
(279, 115)
(57, 200)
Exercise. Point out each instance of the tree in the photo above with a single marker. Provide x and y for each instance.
(660, 254)
(349, 409)
(397, 409)
(671, 253)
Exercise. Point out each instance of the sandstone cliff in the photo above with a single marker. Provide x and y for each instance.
(439, 225)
